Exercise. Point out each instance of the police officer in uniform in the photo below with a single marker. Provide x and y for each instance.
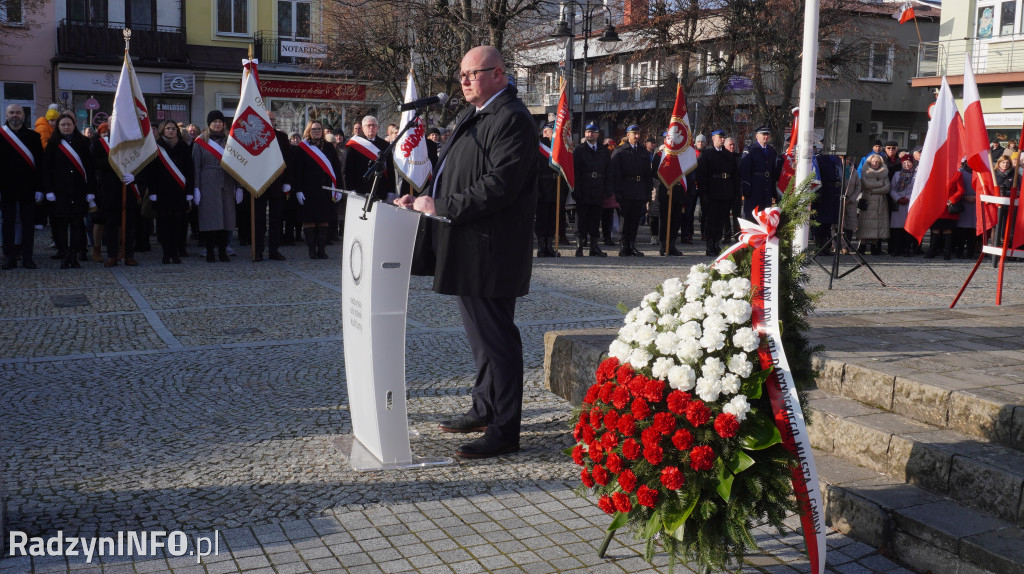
(547, 184)
(674, 211)
(631, 178)
(591, 161)
(760, 169)
(716, 181)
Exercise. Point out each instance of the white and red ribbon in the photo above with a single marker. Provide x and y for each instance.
(72, 156)
(320, 159)
(788, 416)
(19, 146)
(363, 146)
(545, 151)
(212, 147)
(165, 158)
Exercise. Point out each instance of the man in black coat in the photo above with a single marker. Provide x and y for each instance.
(273, 199)
(487, 186)
(670, 213)
(716, 180)
(591, 162)
(631, 180)
(21, 157)
(547, 192)
(760, 169)
(360, 150)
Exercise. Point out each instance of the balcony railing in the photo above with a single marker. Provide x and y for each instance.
(995, 55)
(273, 49)
(105, 40)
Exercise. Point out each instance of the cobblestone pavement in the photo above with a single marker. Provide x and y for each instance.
(206, 398)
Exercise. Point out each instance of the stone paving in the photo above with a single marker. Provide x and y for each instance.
(206, 398)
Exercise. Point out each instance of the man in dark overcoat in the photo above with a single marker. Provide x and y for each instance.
(760, 168)
(671, 213)
(21, 162)
(716, 180)
(547, 190)
(631, 182)
(829, 170)
(591, 162)
(487, 186)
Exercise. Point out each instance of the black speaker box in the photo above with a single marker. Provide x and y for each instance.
(847, 127)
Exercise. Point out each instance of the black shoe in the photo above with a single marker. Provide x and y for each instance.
(624, 252)
(609, 242)
(258, 257)
(486, 448)
(276, 256)
(595, 251)
(635, 252)
(579, 252)
(12, 263)
(686, 241)
(463, 424)
(175, 260)
(28, 264)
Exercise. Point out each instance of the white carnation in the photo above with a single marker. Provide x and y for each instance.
(746, 338)
(739, 364)
(631, 316)
(650, 299)
(740, 287)
(661, 368)
(708, 389)
(694, 292)
(669, 321)
(713, 340)
(689, 350)
(698, 278)
(628, 332)
(714, 304)
(691, 311)
(725, 267)
(737, 311)
(681, 377)
(669, 303)
(645, 335)
(730, 384)
(721, 288)
(673, 286)
(689, 330)
(666, 343)
(714, 323)
(700, 268)
(619, 349)
(647, 315)
(639, 358)
(737, 407)
(713, 368)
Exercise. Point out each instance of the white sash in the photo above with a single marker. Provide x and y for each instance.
(19, 146)
(73, 156)
(212, 147)
(169, 164)
(364, 146)
(319, 157)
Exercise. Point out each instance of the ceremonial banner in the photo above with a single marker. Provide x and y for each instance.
(979, 159)
(411, 158)
(678, 157)
(561, 141)
(789, 158)
(131, 138)
(252, 155)
(940, 162)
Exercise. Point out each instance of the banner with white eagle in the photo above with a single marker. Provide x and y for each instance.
(252, 155)
(411, 158)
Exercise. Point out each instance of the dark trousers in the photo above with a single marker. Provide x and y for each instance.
(675, 211)
(169, 231)
(631, 210)
(9, 211)
(544, 225)
(498, 352)
(112, 232)
(60, 230)
(686, 229)
(273, 238)
(716, 217)
(588, 222)
(607, 222)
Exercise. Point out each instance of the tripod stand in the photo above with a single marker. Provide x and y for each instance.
(838, 242)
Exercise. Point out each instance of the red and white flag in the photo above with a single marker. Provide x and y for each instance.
(252, 155)
(979, 159)
(940, 163)
(132, 145)
(789, 158)
(905, 13)
(678, 157)
(411, 159)
(561, 141)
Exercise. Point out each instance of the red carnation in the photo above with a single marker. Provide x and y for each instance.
(664, 422)
(672, 478)
(702, 458)
(647, 496)
(624, 373)
(650, 436)
(577, 432)
(607, 369)
(697, 413)
(620, 398)
(587, 435)
(606, 391)
(585, 477)
(595, 452)
(627, 480)
(640, 409)
(638, 385)
(677, 401)
(682, 440)
(591, 394)
(627, 425)
(596, 417)
(611, 419)
(631, 449)
(605, 503)
(614, 463)
(600, 475)
(622, 503)
(654, 390)
(726, 425)
(577, 455)
(653, 454)
(609, 440)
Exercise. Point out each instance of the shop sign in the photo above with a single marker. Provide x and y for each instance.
(292, 49)
(312, 90)
(178, 83)
(1006, 119)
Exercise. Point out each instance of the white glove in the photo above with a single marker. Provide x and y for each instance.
(188, 198)
(90, 197)
(195, 193)
(301, 197)
(51, 197)
(128, 178)
(286, 187)
(335, 196)
(152, 198)
(238, 195)
(39, 197)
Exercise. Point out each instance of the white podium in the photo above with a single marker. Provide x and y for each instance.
(376, 260)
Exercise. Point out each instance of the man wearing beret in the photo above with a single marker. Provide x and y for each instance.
(631, 180)
(760, 169)
(590, 162)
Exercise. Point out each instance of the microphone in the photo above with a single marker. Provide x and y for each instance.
(424, 102)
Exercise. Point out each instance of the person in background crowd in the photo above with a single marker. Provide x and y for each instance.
(89, 133)
(916, 154)
(547, 182)
(653, 210)
(609, 144)
(109, 186)
(892, 158)
(1004, 182)
(357, 129)
(692, 198)
(46, 124)
(631, 181)
(759, 171)
(294, 138)
(900, 189)
(290, 210)
(942, 229)
(193, 133)
(716, 181)
(670, 219)
(392, 133)
(170, 179)
(995, 151)
(21, 152)
(271, 203)
(873, 224)
(965, 238)
(732, 225)
(69, 180)
(853, 201)
(216, 193)
(826, 206)
(590, 162)
(360, 151)
(876, 147)
(434, 135)
(316, 165)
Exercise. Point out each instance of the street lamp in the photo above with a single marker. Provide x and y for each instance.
(564, 29)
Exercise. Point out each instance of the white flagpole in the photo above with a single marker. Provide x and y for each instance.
(808, 81)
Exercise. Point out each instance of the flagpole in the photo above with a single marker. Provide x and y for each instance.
(919, 41)
(1011, 219)
(252, 198)
(124, 187)
(558, 201)
(668, 223)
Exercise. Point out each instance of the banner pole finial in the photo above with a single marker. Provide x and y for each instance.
(127, 32)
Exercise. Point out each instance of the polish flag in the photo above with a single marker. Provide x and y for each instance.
(940, 162)
(975, 147)
(789, 158)
(905, 13)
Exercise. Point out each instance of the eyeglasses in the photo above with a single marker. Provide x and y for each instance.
(472, 74)
(316, 129)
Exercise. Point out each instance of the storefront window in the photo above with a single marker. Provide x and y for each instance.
(175, 109)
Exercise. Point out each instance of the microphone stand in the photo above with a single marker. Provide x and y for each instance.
(377, 167)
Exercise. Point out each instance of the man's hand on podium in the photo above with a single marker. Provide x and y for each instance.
(423, 203)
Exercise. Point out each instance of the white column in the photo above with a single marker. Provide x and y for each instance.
(808, 81)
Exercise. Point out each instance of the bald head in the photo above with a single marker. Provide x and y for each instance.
(482, 74)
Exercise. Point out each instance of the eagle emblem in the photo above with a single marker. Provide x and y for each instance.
(252, 132)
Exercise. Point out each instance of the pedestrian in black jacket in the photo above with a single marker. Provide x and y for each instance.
(591, 162)
(716, 179)
(70, 186)
(631, 180)
(21, 155)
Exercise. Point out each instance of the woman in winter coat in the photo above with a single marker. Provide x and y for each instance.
(318, 165)
(853, 196)
(69, 181)
(215, 193)
(170, 178)
(874, 219)
(1004, 181)
(900, 189)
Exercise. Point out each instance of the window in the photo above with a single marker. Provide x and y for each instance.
(879, 65)
(828, 50)
(10, 12)
(293, 19)
(645, 74)
(233, 17)
(997, 18)
(20, 93)
(92, 11)
(141, 16)
(1007, 17)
